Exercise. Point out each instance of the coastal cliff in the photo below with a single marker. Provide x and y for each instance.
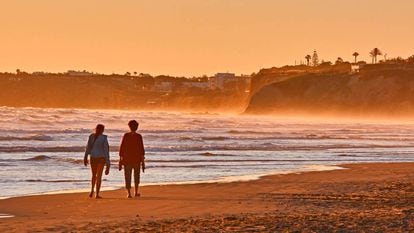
(374, 91)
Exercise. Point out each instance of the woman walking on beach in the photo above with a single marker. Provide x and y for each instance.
(132, 156)
(98, 149)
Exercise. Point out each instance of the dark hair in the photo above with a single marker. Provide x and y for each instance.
(99, 129)
(133, 125)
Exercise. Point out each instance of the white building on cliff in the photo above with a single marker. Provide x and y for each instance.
(220, 79)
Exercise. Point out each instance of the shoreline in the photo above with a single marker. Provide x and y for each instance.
(222, 180)
(5, 216)
(362, 197)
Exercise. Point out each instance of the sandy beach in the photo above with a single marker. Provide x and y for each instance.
(362, 197)
(235, 116)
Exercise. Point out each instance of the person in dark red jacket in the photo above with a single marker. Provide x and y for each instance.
(132, 157)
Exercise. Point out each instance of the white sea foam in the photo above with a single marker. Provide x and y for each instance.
(6, 216)
(41, 150)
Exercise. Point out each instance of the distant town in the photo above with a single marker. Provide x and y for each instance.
(218, 82)
(222, 91)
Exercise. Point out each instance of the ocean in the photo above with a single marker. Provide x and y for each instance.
(41, 150)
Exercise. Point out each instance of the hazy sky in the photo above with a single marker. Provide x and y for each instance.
(195, 37)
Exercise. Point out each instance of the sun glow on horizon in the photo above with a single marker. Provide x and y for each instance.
(186, 38)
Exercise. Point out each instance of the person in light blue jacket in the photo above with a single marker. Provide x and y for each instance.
(98, 149)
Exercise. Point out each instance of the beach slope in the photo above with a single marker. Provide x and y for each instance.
(362, 197)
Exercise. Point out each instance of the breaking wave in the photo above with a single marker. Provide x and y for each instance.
(39, 158)
(38, 137)
(267, 146)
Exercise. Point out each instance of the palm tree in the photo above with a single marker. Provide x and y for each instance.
(374, 54)
(308, 57)
(356, 54)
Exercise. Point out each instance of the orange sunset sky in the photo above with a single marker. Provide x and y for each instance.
(196, 37)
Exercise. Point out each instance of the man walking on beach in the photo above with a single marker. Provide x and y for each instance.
(132, 157)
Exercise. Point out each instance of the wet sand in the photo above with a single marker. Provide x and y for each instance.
(363, 197)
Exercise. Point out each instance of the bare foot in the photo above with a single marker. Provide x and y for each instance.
(98, 197)
(91, 194)
(137, 194)
(129, 196)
